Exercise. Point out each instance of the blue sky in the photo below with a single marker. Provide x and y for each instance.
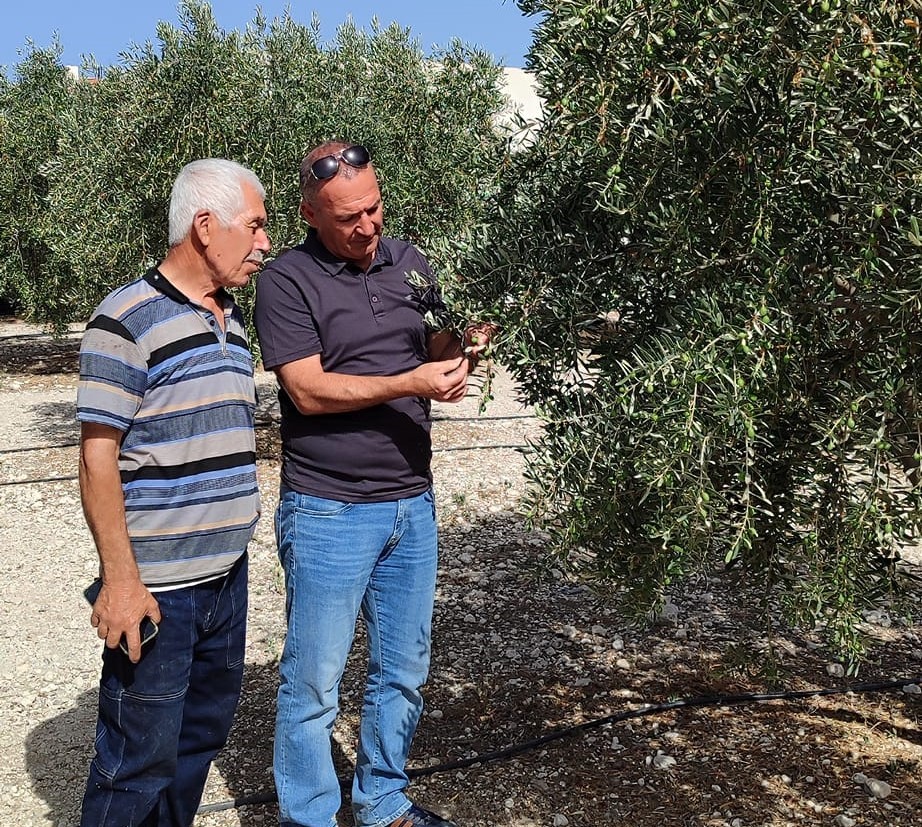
(104, 28)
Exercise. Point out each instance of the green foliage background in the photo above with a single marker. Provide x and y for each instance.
(29, 134)
(88, 166)
(709, 272)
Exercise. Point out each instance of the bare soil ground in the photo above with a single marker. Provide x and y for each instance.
(520, 652)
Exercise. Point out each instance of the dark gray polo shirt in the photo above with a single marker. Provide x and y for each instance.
(364, 324)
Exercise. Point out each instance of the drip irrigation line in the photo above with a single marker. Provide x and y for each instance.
(52, 339)
(517, 446)
(566, 732)
(28, 448)
(482, 418)
(68, 478)
(258, 425)
(268, 423)
(512, 446)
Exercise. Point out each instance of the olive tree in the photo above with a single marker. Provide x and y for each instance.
(31, 108)
(263, 97)
(709, 272)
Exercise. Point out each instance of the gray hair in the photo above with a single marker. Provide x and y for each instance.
(213, 184)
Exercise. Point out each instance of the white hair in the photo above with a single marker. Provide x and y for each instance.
(213, 184)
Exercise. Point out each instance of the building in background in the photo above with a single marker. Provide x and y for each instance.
(526, 108)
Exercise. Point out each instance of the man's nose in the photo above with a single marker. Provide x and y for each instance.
(367, 225)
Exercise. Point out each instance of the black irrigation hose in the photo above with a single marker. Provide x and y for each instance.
(51, 339)
(434, 451)
(482, 418)
(565, 732)
(38, 479)
(516, 446)
(28, 448)
(268, 423)
(511, 446)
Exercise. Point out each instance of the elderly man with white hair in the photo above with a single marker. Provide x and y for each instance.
(168, 483)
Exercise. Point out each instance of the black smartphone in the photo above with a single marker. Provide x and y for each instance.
(149, 629)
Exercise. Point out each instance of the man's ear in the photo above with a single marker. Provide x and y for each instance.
(307, 213)
(202, 226)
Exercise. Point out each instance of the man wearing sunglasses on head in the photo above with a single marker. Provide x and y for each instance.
(339, 323)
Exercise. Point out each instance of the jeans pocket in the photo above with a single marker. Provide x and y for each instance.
(137, 727)
(320, 507)
(296, 526)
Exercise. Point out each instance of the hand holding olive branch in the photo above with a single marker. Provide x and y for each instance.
(475, 338)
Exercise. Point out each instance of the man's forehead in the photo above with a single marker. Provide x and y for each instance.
(253, 207)
(352, 196)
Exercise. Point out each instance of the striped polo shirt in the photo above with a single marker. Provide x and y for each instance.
(159, 368)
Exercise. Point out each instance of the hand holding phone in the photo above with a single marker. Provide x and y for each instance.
(148, 629)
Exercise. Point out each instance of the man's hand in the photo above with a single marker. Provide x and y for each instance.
(477, 338)
(444, 381)
(119, 610)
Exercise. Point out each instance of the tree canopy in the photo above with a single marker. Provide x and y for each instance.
(709, 268)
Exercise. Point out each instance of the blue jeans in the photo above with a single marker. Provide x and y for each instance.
(162, 720)
(339, 558)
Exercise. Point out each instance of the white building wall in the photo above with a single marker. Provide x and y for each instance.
(521, 90)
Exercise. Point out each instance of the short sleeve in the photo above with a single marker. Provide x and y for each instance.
(285, 326)
(113, 374)
(431, 304)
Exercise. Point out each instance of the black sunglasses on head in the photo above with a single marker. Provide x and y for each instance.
(327, 166)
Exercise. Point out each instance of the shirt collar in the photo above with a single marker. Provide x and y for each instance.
(333, 265)
(160, 282)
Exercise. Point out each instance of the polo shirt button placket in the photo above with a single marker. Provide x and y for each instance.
(221, 334)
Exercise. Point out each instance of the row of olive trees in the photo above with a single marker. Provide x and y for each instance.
(87, 166)
(709, 269)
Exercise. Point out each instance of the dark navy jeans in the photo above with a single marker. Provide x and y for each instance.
(162, 720)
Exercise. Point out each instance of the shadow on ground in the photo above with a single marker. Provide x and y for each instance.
(55, 423)
(39, 354)
(58, 752)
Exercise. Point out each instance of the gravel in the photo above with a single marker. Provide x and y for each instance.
(520, 651)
